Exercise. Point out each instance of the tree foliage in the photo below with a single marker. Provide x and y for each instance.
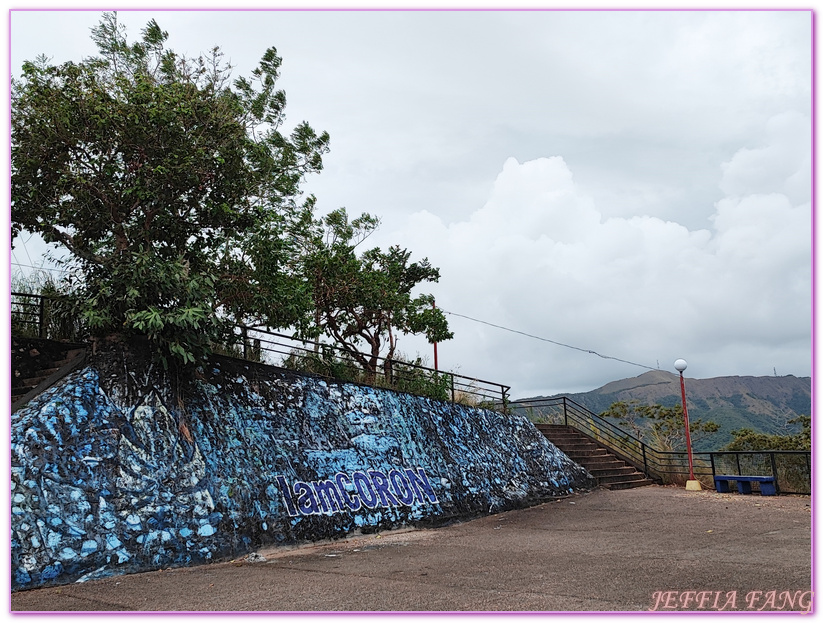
(174, 188)
(748, 439)
(661, 427)
(367, 298)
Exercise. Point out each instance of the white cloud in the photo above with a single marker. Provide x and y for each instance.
(632, 182)
(782, 165)
(539, 257)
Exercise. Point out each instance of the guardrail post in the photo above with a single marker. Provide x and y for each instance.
(452, 384)
(244, 332)
(809, 465)
(774, 472)
(565, 413)
(645, 465)
(41, 318)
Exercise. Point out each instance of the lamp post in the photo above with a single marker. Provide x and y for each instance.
(435, 343)
(692, 484)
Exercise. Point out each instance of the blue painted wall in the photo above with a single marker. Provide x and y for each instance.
(111, 475)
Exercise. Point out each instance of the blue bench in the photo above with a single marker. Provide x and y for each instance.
(744, 484)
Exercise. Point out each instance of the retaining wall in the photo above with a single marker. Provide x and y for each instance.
(111, 473)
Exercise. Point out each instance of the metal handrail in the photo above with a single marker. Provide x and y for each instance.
(660, 464)
(256, 340)
(459, 387)
(38, 304)
(626, 445)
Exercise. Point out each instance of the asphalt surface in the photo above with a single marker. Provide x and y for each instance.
(640, 549)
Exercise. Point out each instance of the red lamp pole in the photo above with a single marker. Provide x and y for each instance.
(680, 365)
(435, 343)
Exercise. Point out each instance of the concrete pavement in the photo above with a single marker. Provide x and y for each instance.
(633, 550)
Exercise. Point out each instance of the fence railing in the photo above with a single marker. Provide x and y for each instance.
(329, 360)
(34, 315)
(28, 314)
(791, 468)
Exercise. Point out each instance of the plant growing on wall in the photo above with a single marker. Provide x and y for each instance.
(366, 299)
(173, 188)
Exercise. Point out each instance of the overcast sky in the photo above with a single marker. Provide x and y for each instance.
(635, 183)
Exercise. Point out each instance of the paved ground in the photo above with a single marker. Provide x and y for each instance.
(638, 549)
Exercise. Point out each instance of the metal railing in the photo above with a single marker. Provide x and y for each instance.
(46, 317)
(563, 410)
(329, 360)
(791, 468)
(28, 314)
(31, 317)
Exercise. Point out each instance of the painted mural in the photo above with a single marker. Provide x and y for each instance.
(111, 475)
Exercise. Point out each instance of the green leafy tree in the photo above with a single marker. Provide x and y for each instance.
(366, 300)
(748, 439)
(661, 427)
(172, 186)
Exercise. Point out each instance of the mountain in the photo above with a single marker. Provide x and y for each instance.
(763, 403)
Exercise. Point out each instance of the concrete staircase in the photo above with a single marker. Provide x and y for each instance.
(609, 471)
(38, 364)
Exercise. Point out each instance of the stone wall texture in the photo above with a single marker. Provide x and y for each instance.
(113, 473)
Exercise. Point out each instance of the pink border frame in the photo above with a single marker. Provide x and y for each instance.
(6, 382)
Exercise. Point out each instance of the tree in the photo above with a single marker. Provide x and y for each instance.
(173, 188)
(748, 439)
(661, 427)
(368, 298)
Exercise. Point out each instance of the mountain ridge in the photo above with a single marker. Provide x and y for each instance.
(763, 403)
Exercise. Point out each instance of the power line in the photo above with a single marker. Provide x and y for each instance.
(26, 249)
(56, 270)
(543, 339)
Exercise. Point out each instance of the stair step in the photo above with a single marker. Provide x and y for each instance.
(27, 384)
(599, 452)
(23, 386)
(604, 460)
(36, 380)
(568, 437)
(603, 466)
(564, 441)
(609, 471)
(578, 447)
(612, 471)
(573, 442)
(68, 357)
(44, 373)
(620, 478)
(629, 484)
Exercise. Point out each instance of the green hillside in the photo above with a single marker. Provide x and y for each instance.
(762, 403)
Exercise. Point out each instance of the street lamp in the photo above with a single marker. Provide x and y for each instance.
(435, 343)
(692, 484)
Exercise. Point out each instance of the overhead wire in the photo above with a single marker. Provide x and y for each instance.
(543, 339)
(26, 249)
(56, 270)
